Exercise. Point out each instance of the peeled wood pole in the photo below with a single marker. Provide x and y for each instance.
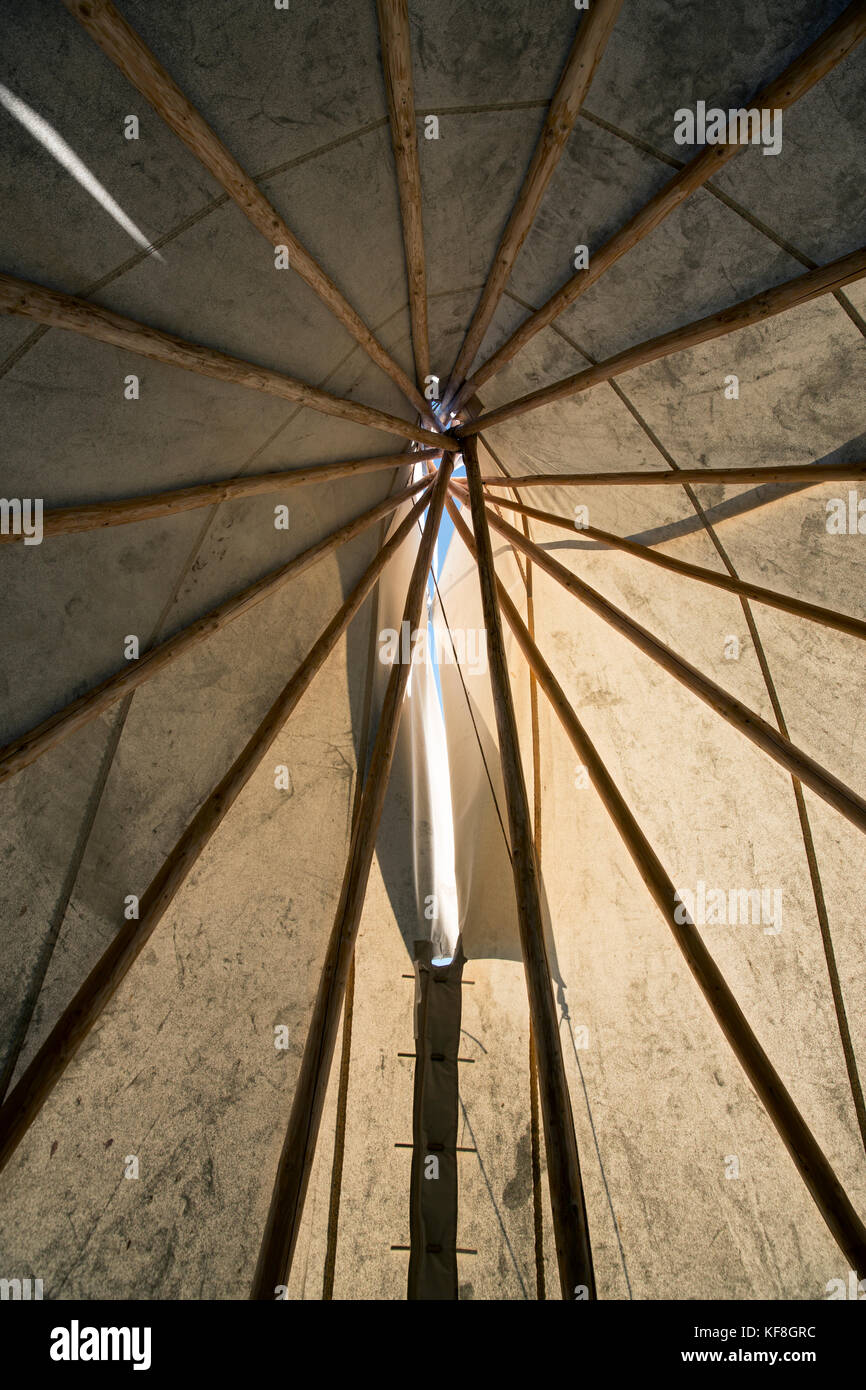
(827, 1192)
(126, 50)
(31, 745)
(80, 316)
(93, 516)
(814, 612)
(397, 65)
(792, 473)
(24, 1103)
(819, 58)
(589, 43)
(121, 511)
(789, 295)
(764, 735)
(296, 1159)
(571, 1230)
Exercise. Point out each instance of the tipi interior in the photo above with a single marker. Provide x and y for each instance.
(434, 772)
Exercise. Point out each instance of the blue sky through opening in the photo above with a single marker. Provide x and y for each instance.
(443, 540)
